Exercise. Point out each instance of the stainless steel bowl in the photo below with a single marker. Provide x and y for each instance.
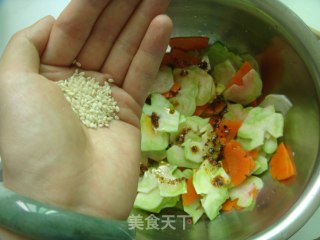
(289, 56)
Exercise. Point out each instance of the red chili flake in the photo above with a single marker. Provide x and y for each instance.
(155, 120)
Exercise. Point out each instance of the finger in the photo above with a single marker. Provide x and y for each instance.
(146, 62)
(22, 53)
(54, 73)
(128, 42)
(71, 31)
(105, 32)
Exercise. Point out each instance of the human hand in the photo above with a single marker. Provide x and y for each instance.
(47, 153)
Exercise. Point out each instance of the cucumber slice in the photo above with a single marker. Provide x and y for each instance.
(152, 140)
(261, 165)
(270, 144)
(197, 123)
(187, 173)
(205, 177)
(191, 129)
(244, 192)
(175, 156)
(167, 202)
(148, 201)
(148, 182)
(192, 136)
(189, 80)
(213, 201)
(163, 82)
(218, 53)
(195, 84)
(206, 87)
(246, 93)
(153, 202)
(184, 104)
(176, 188)
(280, 102)
(195, 210)
(223, 72)
(166, 118)
(219, 90)
(193, 151)
(169, 185)
(236, 112)
(260, 121)
(156, 155)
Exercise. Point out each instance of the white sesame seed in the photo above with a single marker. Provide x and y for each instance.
(92, 102)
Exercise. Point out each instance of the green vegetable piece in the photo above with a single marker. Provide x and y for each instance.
(169, 185)
(191, 129)
(148, 182)
(167, 202)
(187, 173)
(260, 121)
(153, 202)
(245, 192)
(236, 112)
(223, 72)
(189, 80)
(175, 156)
(212, 202)
(246, 93)
(270, 144)
(160, 188)
(152, 140)
(261, 165)
(195, 210)
(218, 53)
(219, 90)
(164, 80)
(197, 124)
(156, 155)
(193, 151)
(205, 177)
(206, 87)
(192, 136)
(184, 104)
(167, 119)
(185, 101)
(149, 201)
(280, 102)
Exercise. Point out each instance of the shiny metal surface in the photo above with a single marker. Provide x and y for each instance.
(289, 56)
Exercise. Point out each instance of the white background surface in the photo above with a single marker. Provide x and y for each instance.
(17, 14)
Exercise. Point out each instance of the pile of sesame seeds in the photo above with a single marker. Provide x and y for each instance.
(92, 102)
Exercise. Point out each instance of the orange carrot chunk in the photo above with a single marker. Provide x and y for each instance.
(228, 205)
(173, 90)
(175, 87)
(237, 162)
(228, 129)
(191, 195)
(281, 165)
(189, 43)
(237, 78)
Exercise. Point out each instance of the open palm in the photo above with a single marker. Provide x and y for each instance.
(48, 154)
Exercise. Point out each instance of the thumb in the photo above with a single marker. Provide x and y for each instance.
(24, 49)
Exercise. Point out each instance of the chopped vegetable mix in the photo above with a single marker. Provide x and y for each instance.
(207, 138)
